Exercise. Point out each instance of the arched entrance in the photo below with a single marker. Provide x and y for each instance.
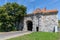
(29, 25)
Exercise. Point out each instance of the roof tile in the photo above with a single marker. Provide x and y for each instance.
(44, 11)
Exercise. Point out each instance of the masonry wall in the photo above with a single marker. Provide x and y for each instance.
(27, 18)
(49, 22)
(34, 19)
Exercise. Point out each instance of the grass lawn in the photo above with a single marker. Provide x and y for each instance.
(38, 36)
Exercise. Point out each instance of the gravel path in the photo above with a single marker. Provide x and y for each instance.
(7, 35)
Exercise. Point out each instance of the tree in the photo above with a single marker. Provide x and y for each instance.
(10, 15)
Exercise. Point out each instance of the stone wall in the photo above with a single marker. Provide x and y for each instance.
(27, 18)
(45, 23)
(49, 23)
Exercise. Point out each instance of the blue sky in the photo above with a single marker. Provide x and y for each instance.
(33, 4)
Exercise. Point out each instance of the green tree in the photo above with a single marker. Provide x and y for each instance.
(11, 15)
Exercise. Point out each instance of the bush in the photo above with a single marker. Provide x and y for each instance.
(7, 27)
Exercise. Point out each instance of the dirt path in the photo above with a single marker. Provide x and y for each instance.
(7, 35)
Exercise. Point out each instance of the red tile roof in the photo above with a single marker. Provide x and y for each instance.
(43, 11)
(38, 10)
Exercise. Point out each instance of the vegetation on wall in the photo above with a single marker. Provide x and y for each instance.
(10, 16)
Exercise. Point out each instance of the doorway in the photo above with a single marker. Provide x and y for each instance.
(37, 29)
(29, 25)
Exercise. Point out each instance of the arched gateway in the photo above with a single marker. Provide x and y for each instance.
(41, 20)
(29, 25)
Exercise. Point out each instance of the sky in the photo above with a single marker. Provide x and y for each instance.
(33, 4)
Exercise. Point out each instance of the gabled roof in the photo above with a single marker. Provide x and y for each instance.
(43, 11)
(38, 10)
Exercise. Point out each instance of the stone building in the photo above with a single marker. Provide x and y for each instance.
(41, 20)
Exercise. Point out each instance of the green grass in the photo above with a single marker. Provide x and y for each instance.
(38, 36)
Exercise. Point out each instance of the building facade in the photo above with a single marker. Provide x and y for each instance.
(41, 20)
